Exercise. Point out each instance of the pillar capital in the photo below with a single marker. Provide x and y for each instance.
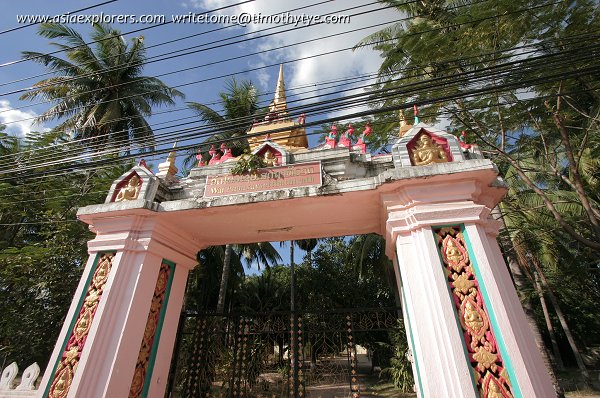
(422, 205)
(141, 230)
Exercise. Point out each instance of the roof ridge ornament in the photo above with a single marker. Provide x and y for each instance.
(167, 169)
(416, 112)
(404, 126)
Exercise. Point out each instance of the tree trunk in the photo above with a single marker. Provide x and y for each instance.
(565, 326)
(557, 357)
(294, 335)
(520, 280)
(224, 278)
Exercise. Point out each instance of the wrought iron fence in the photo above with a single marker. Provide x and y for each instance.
(277, 354)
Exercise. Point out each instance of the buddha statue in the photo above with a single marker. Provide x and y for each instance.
(269, 159)
(453, 253)
(472, 318)
(427, 152)
(129, 191)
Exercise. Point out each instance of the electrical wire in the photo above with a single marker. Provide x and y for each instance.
(510, 85)
(281, 47)
(327, 108)
(245, 121)
(104, 191)
(219, 45)
(270, 65)
(184, 38)
(66, 13)
(18, 61)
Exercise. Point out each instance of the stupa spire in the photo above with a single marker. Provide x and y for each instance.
(279, 102)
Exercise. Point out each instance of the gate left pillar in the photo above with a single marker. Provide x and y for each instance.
(118, 336)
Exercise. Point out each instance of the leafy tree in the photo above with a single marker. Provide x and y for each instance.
(99, 91)
(445, 41)
(543, 136)
(239, 103)
(239, 106)
(42, 249)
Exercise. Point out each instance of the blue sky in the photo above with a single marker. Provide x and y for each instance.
(301, 73)
(16, 114)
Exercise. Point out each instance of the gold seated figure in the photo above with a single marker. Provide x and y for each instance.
(129, 191)
(427, 152)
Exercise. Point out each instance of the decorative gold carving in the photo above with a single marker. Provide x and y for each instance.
(463, 284)
(485, 359)
(488, 369)
(156, 307)
(427, 152)
(65, 371)
(131, 190)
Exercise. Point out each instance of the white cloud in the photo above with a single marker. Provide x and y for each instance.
(321, 68)
(18, 122)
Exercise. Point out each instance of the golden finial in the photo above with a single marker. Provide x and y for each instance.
(404, 126)
(172, 154)
(279, 101)
(167, 169)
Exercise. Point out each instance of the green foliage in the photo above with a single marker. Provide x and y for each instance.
(239, 103)
(399, 369)
(42, 249)
(545, 142)
(98, 91)
(248, 163)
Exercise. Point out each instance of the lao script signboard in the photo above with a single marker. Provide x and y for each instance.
(268, 179)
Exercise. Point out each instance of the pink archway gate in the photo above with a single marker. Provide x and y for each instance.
(466, 326)
(431, 199)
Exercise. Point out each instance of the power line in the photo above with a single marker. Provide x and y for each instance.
(67, 13)
(579, 38)
(105, 191)
(218, 45)
(18, 61)
(328, 108)
(180, 39)
(286, 46)
(267, 66)
(243, 122)
(510, 85)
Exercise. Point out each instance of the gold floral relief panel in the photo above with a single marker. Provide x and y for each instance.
(488, 369)
(152, 324)
(65, 371)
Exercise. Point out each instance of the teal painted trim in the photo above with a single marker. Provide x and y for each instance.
(74, 319)
(499, 340)
(454, 310)
(161, 318)
(412, 344)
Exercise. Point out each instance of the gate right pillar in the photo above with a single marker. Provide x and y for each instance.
(465, 324)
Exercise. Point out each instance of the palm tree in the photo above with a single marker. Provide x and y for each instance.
(369, 251)
(233, 256)
(239, 103)
(7, 141)
(99, 91)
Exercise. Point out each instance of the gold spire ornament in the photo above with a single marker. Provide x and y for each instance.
(291, 134)
(404, 126)
(279, 103)
(167, 169)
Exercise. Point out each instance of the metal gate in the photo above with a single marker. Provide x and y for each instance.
(277, 354)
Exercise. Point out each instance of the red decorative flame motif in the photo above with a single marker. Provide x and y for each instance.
(65, 371)
(491, 377)
(141, 367)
